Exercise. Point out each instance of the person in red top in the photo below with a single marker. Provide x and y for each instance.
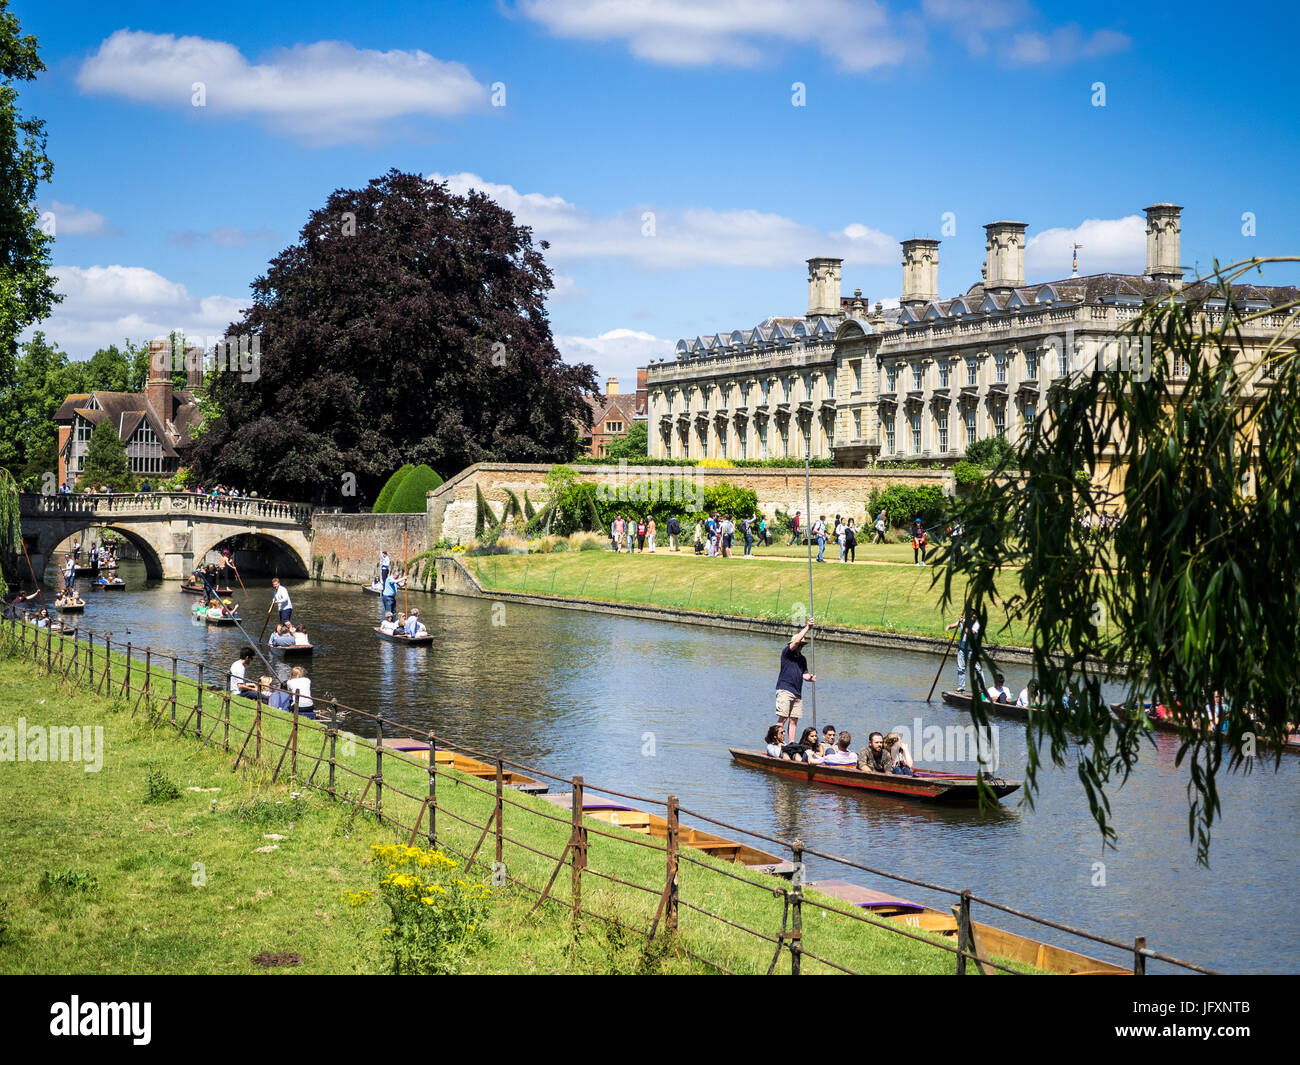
(794, 530)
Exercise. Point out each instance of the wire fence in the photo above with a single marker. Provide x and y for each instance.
(727, 905)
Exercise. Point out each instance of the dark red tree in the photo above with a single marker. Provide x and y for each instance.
(407, 324)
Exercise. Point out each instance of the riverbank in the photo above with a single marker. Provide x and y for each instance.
(234, 868)
(883, 604)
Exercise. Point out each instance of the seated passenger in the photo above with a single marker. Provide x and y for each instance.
(899, 755)
(773, 741)
(388, 626)
(874, 758)
(415, 627)
(299, 636)
(999, 692)
(1027, 694)
(841, 754)
(277, 698)
(281, 637)
(813, 751)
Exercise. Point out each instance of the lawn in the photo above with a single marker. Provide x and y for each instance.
(238, 866)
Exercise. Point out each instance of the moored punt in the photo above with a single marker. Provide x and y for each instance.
(994, 944)
(290, 650)
(462, 763)
(962, 701)
(926, 786)
(657, 827)
(402, 638)
(110, 584)
(1169, 724)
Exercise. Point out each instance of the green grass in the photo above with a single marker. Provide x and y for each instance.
(873, 598)
(99, 879)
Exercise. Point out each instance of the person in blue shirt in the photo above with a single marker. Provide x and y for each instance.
(414, 626)
(388, 596)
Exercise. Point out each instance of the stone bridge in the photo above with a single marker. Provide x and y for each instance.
(172, 530)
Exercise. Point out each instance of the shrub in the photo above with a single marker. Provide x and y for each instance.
(715, 464)
(67, 881)
(990, 452)
(587, 541)
(904, 503)
(967, 474)
(409, 496)
(159, 788)
(385, 496)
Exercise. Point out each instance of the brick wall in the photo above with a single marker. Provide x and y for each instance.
(835, 491)
(349, 544)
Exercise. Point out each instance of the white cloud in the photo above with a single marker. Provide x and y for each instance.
(679, 238)
(69, 220)
(856, 34)
(616, 353)
(1065, 45)
(1109, 245)
(329, 92)
(107, 304)
(565, 290)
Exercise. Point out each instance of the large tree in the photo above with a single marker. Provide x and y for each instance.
(1198, 592)
(406, 325)
(26, 285)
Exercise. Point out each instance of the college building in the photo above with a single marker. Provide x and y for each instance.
(922, 381)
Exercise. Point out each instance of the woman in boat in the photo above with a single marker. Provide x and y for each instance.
(773, 741)
(812, 745)
(299, 636)
(300, 684)
(899, 755)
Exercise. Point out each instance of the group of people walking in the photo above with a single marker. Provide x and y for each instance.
(842, 530)
(638, 535)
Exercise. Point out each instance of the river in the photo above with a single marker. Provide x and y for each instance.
(651, 708)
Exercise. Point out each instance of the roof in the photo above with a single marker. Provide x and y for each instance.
(126, 410)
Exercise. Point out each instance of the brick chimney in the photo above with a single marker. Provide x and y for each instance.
(158, 390)
(1004, 255)
(1164, 233)
(824, 287)
(193, 368)
(920, 272)
(611, 386)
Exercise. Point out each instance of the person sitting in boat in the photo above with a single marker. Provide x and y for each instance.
(1027, 695)
(841, 754)
(874, 758)
(43, 619)
(300, 684)
(774, 741)
(829, 734)
(229, 609)
(813, 751)
(282, 637)
(998, 692)
(388, 626)
(299, 636)
(899, 755)
(414, 626)
(238, 672)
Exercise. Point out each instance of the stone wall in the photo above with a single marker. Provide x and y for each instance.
(348, 545)
(452, 506)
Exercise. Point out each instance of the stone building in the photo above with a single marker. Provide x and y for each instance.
(923, 381)
(154, 424)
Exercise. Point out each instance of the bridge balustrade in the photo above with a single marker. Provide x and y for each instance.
(170, 503)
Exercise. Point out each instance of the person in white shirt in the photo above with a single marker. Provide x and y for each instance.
(238, 673)
(1028, 692)
(841, 754)
(840, 531)
(819, 534)
(388, 626)
(999, 692)
(282, 600)
(300, 637)
(299, 683)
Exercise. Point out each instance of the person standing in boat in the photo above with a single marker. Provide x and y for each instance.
(968, 632)
(281, 599)
(385, 564)
(70, 575)
(789, 682)
(388, 595)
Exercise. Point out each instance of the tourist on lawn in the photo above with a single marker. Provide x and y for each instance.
(842, 754)
(764, 537)
(613, 535)
(789, 682)
(728, 535)
(674, 531)
(819, 534)
(841, 525)
(711, 536)
(640, 535)
(699, 536)
(238, 671)
(850, 542)
(881, 526)
(794, 530)
(650, 529)
(300, 684)
(874, 758)
(747, 528)
(919, 543)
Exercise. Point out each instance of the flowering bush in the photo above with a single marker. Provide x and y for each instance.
(436, 916)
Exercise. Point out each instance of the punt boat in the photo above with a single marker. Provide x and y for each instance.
(927, 786)
(962, 701)
(79, 607)
(402, 638)
(292, 650)
(109, 584)
(1169, 724)
(463, 763)
(657, 828)
(995, 944)
(218, 619)
(378, 589)
(202, 589)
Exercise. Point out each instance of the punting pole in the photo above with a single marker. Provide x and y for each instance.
(807, 494)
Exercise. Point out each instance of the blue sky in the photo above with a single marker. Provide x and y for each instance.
(685, 110)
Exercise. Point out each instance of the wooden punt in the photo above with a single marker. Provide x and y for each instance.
(72, 608)
(406, 641)
(463, 763)
(962, 701)
(292, 650)
(201, 589)
(995, 944)
(1171, 725)
(114, 585)
(926, 786)
(218, 619)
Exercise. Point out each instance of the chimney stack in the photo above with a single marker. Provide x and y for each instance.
(193, 369)
(920, 272)
(1004, 255)
(158, 389)
(611, 386)
(1164, 230)
(824, 287)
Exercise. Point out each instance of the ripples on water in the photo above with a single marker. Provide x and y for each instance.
(594, 694)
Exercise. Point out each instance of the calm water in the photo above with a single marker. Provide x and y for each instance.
(651, 708)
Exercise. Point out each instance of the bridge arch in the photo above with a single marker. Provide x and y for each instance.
(153, 563)
(278, 557)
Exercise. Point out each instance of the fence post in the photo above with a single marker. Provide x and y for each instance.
(49, 649)
(964, 945)
(579, 848)
(500, 810)
(173, 687)
(796, 907)
(126, 684)
(1139, 961)
(148, 673)
(108, 664)
(333, 735)
(379, 770)
(90, 659)
(433, 793)
(670, 889)
(198, 701)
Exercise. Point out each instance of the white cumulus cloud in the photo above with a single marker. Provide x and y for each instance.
(616, 353)
(1109, 245)
(328, 92)
(69, 220)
